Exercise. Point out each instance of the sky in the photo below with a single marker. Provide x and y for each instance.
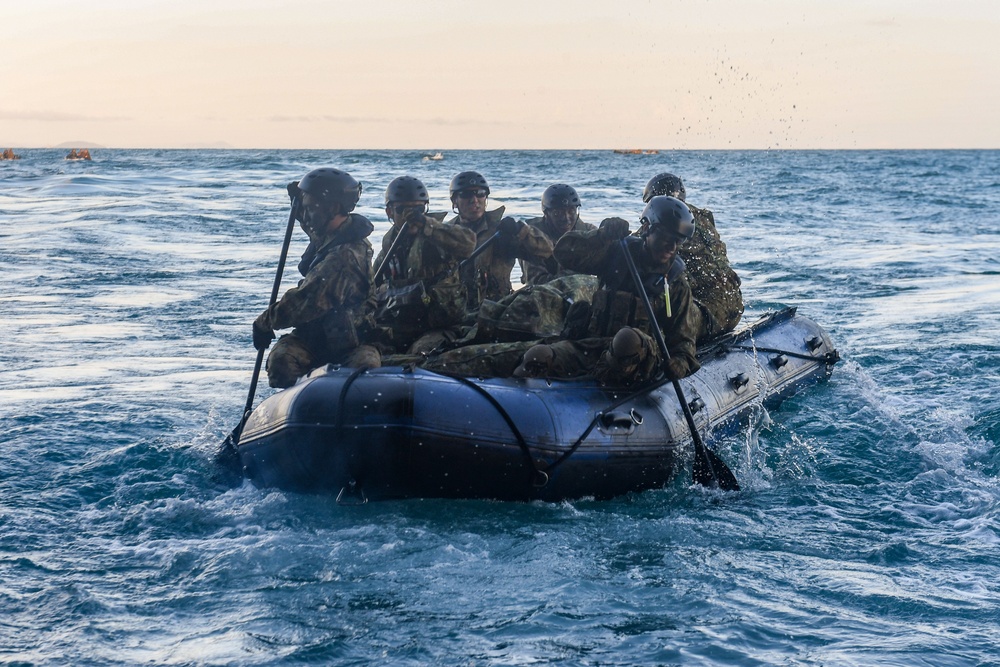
(442, 74)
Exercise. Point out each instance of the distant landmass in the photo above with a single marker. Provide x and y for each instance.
(214, 144)
(78, 144)
(90, 144)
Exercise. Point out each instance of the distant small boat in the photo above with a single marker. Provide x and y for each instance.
(435, 156)
(9, 154)
(82, 154)
(636, 151)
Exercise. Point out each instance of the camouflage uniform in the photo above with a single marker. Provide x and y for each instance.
(533, 273)
(616, 305)
(330, 309)
(714, 284)
(482, 360)
(489, 278)
(534, 311)
(426, 265)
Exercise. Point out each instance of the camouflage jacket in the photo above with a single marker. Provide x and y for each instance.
(535, 273)
(713, 282)
(335, 298)
(489, 278)
(431, 257)
(616, 302)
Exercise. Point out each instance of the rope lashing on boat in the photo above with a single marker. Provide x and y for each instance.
(597, 418)
(339, 424)
(539, 478)
(831, 357)
(353, 489)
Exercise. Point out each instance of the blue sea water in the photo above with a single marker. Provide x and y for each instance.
(867, 531)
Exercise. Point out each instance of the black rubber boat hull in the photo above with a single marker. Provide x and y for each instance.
(400, 433)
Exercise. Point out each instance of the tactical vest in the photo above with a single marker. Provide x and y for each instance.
(616, 303)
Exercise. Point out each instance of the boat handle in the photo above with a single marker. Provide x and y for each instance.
(814, 343)
(355, 495)
(696, 405)
(620, 419)
(779, 361)
(739, 381)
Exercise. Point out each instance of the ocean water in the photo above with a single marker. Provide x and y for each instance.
(867, 531)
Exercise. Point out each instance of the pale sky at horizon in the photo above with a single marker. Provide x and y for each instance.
(442, 74)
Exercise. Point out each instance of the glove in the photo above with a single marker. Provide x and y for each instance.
(263, 334)
(510, 227)
(293, 190)
(614, 228)
(415, 221)
(675, 369)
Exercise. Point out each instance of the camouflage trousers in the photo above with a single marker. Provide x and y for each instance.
(291, 358)
(535, 311)
(570, 359)
(593, 356)
(484, 360)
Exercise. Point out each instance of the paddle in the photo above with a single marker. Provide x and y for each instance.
(390, 252)
(708, 469)
(227, 450)
(480, 250)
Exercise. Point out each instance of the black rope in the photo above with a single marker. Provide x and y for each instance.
(597, 416)
(339, 424)
(521, 442)
(829, 357)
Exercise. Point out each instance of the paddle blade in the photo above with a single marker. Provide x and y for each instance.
(227, 454)
(711, 471)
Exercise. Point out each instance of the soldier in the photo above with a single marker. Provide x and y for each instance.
(560, 214)
(620, 349)
(714, 285)
(421, 300)
(331, 307)
(489, 276)
(539, 309)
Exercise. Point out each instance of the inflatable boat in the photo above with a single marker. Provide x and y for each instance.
(405, 432)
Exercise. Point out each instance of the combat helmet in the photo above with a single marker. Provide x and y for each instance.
(664, 184)
(332, 186)
(406, 188)
(671, 215)
(559, 195)
(467, 180)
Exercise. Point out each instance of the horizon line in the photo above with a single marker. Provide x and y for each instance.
(645, 152)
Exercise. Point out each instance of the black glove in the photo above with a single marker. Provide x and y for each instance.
(263, 334)
(293, 190)
(614, 228)
(675, 369)
(415, 220)
(510, 227)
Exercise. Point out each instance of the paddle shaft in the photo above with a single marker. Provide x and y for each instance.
(471, 258)
(391, 251)
(470, 278)
(701, 452)
(479, 251)
(274, 299)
